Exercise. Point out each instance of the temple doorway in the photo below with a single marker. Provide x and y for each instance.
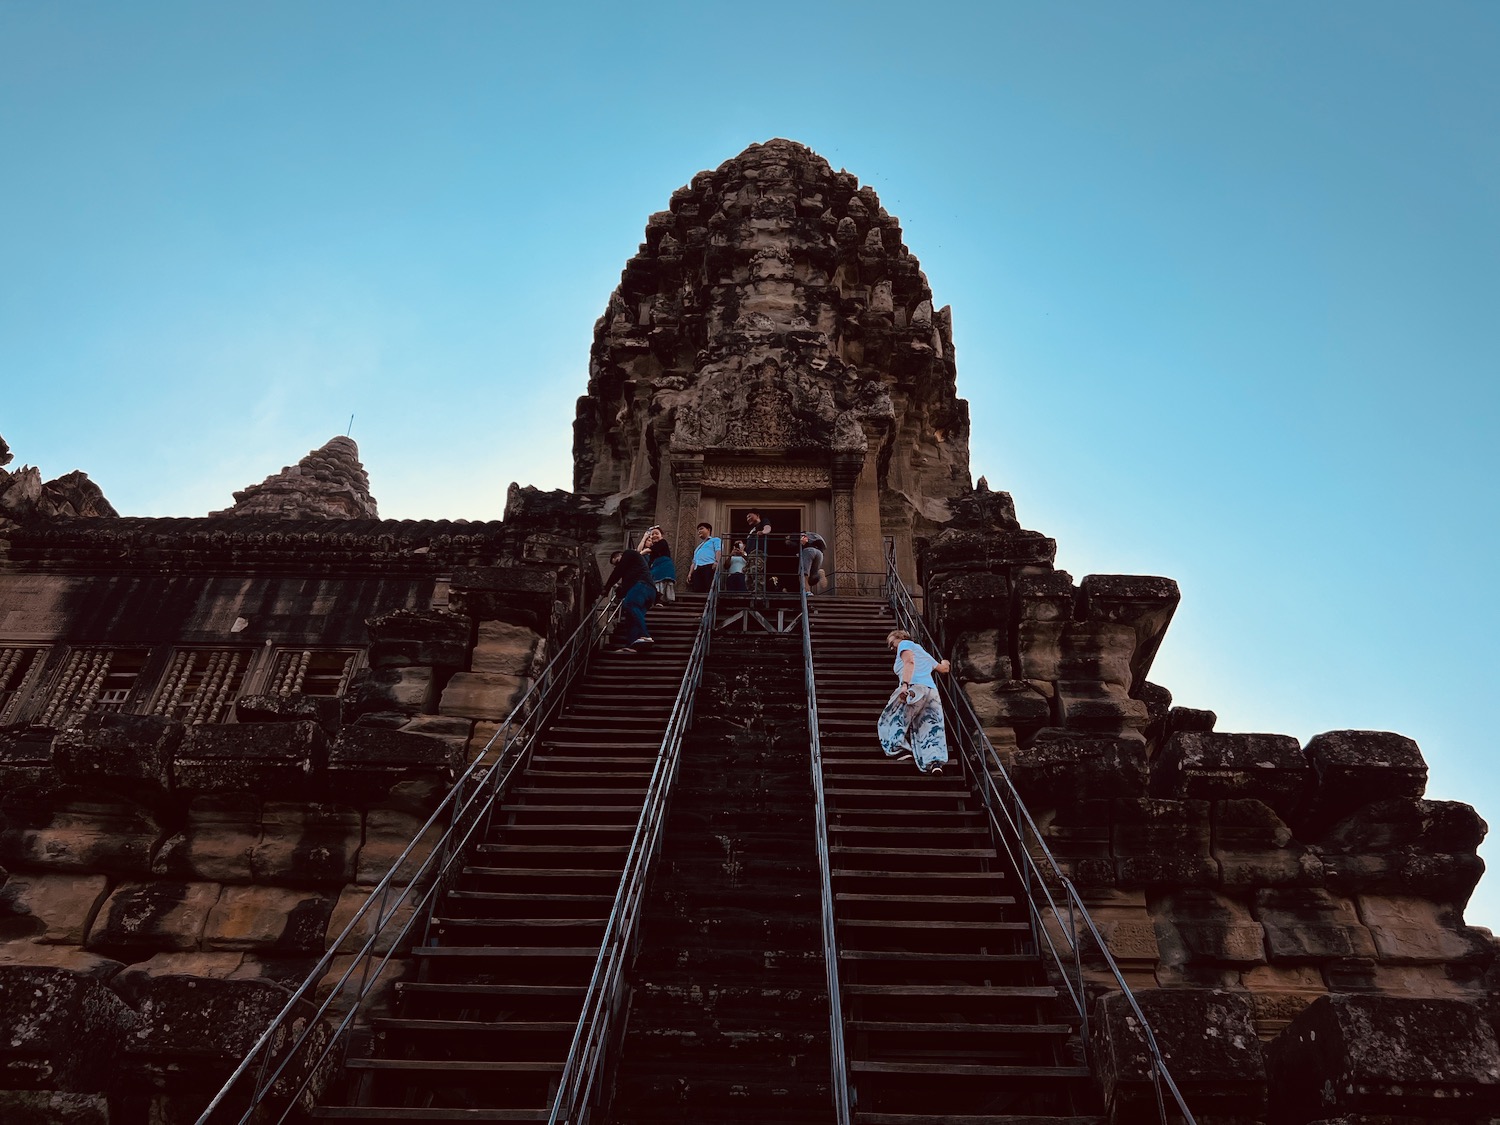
(782, 549)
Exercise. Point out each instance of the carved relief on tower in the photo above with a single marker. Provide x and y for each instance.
(768, 475)
(773, 310)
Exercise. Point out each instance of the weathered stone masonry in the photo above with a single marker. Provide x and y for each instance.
(181, 854)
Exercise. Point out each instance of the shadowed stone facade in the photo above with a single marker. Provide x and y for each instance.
(216, 734)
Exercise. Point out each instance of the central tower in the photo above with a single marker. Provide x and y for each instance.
(773, 344)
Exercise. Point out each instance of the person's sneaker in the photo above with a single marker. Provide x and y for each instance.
(641, 643)
(627, 649)
(904, 756)
(936, 771)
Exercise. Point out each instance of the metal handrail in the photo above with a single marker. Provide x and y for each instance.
(1023, 843)
(838, 1055)
(580, 1087)
(300, 1037)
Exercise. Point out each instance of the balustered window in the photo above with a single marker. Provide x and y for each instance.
(311, 671)
(94, 679)
(201, 685)
(19, 668)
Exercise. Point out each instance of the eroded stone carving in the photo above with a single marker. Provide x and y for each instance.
(775, 310)
(329, 483)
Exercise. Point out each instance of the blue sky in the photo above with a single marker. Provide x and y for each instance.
(1225, 279)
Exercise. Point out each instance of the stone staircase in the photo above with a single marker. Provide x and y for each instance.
(729, 1021)
(483, 1028)
(948, 1013)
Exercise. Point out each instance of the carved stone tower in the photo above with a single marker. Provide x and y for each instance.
(774, 344)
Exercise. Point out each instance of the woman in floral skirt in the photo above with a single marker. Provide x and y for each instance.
(911, 725)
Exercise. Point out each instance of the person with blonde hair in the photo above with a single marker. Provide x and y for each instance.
(911, 724)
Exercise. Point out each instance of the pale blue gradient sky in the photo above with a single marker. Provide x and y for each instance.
(1225, 279)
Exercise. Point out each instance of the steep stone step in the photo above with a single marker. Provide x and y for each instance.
(482, 1032)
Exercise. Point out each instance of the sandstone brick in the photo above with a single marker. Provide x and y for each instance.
(434, 638)
(1278, 993)
(483, 695)
(112, 747)
(367, 765)
(26, 758)
(196, 1013)
(268, 919)
(48, 1107)
(454, 731)
(1424, 849)
(221, 832)
(1410, 930)
(1200, 927)
(1059, 768)
(1306, 924)
(1385, 1055)
(143, 918)
(1356, 767)
(307, 844)
(387, 834)
(510, 650)
(1143, 604)
(1209, 1043)
(326, 711)
(1255, 848)
(980, 656)
(342, 994)
(55, 830)
(49, 908)
(48, 1009)
(1009, 703)
(1159, 842)
(286, 759)
(397, 913)
(1216, 767)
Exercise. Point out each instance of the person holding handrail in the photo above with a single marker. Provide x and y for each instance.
(637, 594)
(911, 725)
(810, 560)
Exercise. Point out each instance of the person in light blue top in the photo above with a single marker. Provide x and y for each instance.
(705, 559)
(911, 724)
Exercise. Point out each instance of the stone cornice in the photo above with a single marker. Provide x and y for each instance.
(262, 543)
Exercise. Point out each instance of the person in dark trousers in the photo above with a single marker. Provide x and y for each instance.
(705, 559)
(638, 593)
(757, 546)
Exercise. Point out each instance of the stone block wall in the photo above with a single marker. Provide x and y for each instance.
(164, 887)
(1255, 892)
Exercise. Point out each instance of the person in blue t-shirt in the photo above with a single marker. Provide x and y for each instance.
(911, 724)
(705, 560)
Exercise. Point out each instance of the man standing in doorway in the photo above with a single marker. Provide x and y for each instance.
(757, 543)
(705, 559)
